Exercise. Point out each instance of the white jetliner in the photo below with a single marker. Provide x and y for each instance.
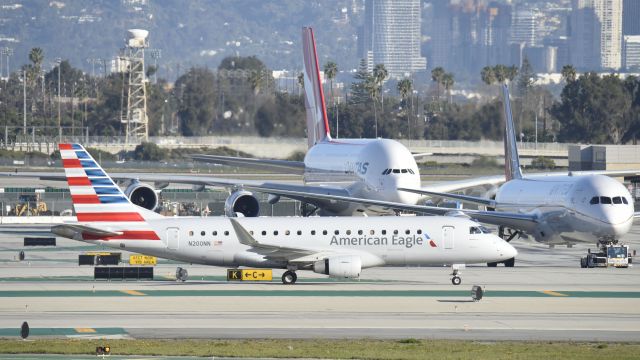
(338, 247)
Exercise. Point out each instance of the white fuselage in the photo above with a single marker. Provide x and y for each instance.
(368, 168)
(378, 241)
(567, 208)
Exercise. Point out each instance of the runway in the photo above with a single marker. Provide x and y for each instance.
(547, 296)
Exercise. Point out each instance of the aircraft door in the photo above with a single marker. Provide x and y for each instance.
(448, 236)
(173, 238)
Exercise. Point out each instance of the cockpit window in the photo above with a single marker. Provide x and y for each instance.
(605, 200)
(475, 230)
(594, 200)
(411, 172)
(624, 200)
(404, 171)
(485, 230)
(396, 171)
(617, 200)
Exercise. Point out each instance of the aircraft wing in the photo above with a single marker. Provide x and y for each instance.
(465, 198)
(280, 166)
(275, 252)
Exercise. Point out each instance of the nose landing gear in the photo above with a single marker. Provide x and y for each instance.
(455, 273)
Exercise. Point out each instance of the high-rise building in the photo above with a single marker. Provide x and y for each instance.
(631, 52)
(524, 26)
(394, 26)
(495, 25)
(631, 17)
(596, 34)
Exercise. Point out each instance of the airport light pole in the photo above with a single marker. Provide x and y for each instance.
(59, 62)
(24, 102)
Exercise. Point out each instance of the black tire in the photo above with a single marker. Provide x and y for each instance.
(510, 263)
(456, 280)
(583, 262)
(289, 277)
(492, 264)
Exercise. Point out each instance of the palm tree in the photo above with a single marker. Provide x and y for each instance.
(405, 87)
(448, 81)
(569, 73)
(371, 85)
(488, 75)
(436, 76)
(330, 72)
(301, 81)
(380, 74)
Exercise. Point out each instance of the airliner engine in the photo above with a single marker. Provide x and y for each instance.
(339, 267)
(243, 202)
(143, 195)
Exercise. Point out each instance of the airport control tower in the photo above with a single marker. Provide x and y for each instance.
(135, 115)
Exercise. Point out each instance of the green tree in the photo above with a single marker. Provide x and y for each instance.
(526, 77)
(448, 81)
(148, 151)
(488, 75)
(569, 73)
(330, 72)
(380, 74)
(405, 87)
(436, 76)
(197, 107)
(359, 92)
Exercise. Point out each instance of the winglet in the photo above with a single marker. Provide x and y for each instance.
(244, 236)
(317, 121)
(511, 158)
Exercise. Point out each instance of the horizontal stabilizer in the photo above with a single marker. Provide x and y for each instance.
(76, 231)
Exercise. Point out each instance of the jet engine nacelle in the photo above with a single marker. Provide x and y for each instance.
(143, 195)
(243, 202)
(339, 266)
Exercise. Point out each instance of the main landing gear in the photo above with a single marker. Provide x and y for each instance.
(289, 277)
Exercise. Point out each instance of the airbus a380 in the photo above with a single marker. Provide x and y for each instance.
(338, 247)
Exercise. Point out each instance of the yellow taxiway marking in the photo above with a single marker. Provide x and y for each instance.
(133, 292)
(553, 293)
(85, 330)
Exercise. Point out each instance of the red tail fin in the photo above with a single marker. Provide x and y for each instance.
(317, 121)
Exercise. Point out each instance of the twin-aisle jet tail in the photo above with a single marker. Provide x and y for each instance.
(317, 121)
(102, 209)
(511, 159)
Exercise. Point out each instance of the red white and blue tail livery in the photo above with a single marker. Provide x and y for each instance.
(99, 202)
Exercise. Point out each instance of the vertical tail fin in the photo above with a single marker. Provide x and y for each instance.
(97, 199)
(511, 159)
(317, 121)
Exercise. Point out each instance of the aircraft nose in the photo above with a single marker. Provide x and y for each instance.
(508, 250)
(618, 222)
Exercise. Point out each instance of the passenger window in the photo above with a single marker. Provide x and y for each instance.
(624, 200)
(348, 232)
(251, 232)
(407, 232)
(384, 232)
(190, 233)
(359, 232)
(226, 233)
(419, 231)
(215, 233)
(617, 200)
(264, 233)
(275, 232)
(299, 232)
(313, 232)
(594, 200)
(287, 232)
(324, 232)
(395, 232)
(202, 233)
(372, 232)
(605, 200)
(337, 232)
(396, 171)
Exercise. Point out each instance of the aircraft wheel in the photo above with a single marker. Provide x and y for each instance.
(456, 280)
(583, 262)
(492, 264)
(289, 277)
(510, 263)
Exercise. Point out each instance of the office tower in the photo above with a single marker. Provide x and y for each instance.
(596, 34)
(631, 17)
(524, 26)
(394, 26)
(495, 24)
(631, 52)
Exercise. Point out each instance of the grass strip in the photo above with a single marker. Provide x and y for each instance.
(334, 349)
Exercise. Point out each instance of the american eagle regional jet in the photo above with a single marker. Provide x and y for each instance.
(339, 247)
